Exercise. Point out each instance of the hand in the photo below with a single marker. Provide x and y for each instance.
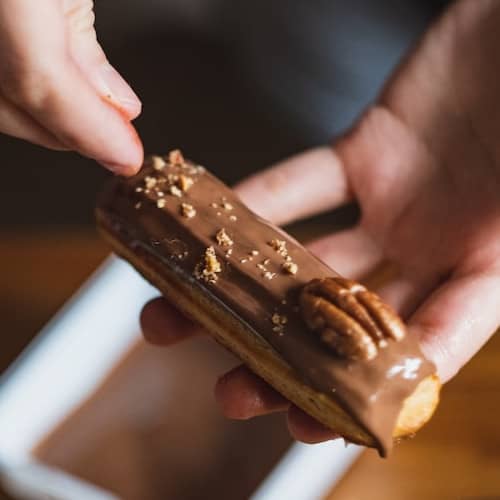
(58, 90)
(424, 166)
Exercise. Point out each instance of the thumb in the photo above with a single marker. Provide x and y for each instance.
(52, 70)
(91, 60)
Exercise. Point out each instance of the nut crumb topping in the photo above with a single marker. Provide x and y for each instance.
(187, 210)
(209, 267)
(290, 267)
(150, 182)
(171, 183)
(254, 253)
(160, 203)
(226, 206)
(175, 157)
(279, 246)
(268, 275)
(184, 182)
(175, 191)
(158, 163)
(223, 238)
(279, 321)
(138, 205)
(179, 184)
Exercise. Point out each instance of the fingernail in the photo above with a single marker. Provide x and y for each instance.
(114, 167)
(119, 169)
(117, 91)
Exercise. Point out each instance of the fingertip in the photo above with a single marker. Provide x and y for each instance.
(163, 324)
(131, 157)
(306, 429)
(118, 169)
(300, 186)
(80, 119)
(234, 404)
(457, 318)
(242, 395)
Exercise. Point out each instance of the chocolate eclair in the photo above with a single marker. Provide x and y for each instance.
(328, 344)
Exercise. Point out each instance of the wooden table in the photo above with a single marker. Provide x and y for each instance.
(457, 456)
(39, 273)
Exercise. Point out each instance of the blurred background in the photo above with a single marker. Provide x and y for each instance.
(236, 85)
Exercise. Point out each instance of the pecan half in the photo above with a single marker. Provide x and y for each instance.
(352, 321)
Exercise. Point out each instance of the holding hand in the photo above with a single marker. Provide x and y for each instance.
(424, 166)
(58, 90)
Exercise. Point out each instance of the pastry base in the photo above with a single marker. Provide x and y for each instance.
(263, 360)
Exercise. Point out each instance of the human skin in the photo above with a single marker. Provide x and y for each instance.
(423, 163)
(57, 88)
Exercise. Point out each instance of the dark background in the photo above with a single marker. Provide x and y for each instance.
(237, 85)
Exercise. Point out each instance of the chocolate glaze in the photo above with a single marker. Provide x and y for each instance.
(371, 392)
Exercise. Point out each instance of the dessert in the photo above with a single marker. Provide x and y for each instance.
(326, 343)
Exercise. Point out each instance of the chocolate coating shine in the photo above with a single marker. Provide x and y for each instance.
(372, 392)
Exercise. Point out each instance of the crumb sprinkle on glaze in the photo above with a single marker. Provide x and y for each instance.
(290, 268)
(209, 268)
(223, 239)
(176, 158)
(187, 210)
(158, 163)
(279, 321)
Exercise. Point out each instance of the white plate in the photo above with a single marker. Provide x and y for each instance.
(65, 364)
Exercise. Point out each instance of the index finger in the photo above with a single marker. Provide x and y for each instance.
(298, 187)
(39, 75)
